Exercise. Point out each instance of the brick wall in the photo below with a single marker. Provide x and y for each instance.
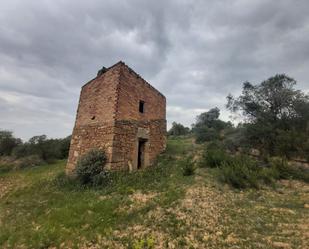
(94, 125)
(133, 89)
(108, 117)
(97, 102)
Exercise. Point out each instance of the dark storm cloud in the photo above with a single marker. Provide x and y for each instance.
(195, 52)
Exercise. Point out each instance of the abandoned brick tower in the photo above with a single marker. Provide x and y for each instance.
(122, 114)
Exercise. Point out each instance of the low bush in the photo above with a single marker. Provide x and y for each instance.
(244, 172)
(90, 168)
(286, 171)
(214, 156)
(4, 168)
(204, 134)
(188, 166)
(268, 175)
(147, 243)
(10, 163)
(240, 173)
(28, 162)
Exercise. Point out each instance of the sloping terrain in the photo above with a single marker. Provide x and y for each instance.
(154, 208)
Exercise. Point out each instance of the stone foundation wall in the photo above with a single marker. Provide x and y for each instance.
(125, 144)
(89, 137)
(157, 138)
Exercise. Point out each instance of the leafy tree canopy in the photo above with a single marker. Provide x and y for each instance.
(277, 115)
(273, 100)
(178, 129)
(7, 142)
(208, 125)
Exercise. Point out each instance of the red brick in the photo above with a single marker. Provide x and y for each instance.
(108, 118)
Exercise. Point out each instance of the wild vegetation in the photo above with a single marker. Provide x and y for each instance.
(159, 207)
(243, 171)
(16, 154)
(270, 144)
(277, 117)
(216, 186)
(90, 168)
(178, 129)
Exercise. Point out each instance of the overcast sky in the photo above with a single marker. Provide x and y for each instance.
(194, 52)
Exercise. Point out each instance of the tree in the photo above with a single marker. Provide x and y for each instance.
(47, 149)
(208, 118)
(274, 112)
(65, 146)
(208, 125)
(178, 129)
(8, 142)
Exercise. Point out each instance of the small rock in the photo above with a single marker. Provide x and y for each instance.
(306, 205)
(291, 211)
(231, 239)
(86, 226)
(101, 198)
(283, 210)
(281, 245)
(206, 237)
(219, 233)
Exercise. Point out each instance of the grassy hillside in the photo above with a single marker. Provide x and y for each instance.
(154, 208)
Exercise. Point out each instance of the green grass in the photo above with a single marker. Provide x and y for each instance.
(153, 208)
(47, 209)
(179, 146)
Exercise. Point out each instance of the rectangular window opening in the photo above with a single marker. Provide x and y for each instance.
(141, 106)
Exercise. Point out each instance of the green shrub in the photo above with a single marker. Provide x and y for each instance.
(204, 134)
(214, 156)
(29, 162)
(188, 166)
(286, 171)
(244, 172)
(268, 175)
(90, 167)
(4, 168)
(11, 163)
(240, 172)
(147, 243)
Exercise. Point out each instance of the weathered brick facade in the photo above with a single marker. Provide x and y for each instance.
(122, 114)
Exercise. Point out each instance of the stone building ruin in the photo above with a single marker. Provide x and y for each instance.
(122, 114)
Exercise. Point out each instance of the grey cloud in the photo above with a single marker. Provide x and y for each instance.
(195, 52)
